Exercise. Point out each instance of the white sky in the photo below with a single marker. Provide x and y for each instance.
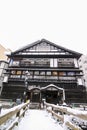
(63, 22)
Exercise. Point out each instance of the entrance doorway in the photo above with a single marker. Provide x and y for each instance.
(35, 95)
(53, 94)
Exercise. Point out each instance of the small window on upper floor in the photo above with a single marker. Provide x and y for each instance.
(13, 72)
(36, 72)
(42, 73)
(71, 73)
(48, 72)
(19, 72)
(16, 63)
(62, 73)
(54, 73)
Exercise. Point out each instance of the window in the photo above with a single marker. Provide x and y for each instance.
(27, 62)
(48, 72)
(43, 47)
(19, 72)
(15, 76)
(30, 73)
(71, 73)
(54, 73)
(42, 61)
(16, 63)
(23, 77)
(62, 73)
(13, 72)
(24, 72)
(36, 73)
(42, 73)
(67, 62)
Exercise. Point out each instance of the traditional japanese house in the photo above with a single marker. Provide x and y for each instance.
(44, 70)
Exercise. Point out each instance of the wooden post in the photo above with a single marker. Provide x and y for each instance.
(31, 96)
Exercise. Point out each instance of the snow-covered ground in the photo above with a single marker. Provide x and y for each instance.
(38, 120)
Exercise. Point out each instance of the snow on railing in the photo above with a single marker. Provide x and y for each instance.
(10, 117)
(74, 119)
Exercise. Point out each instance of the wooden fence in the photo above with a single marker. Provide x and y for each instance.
(17, 112)
(64, 111)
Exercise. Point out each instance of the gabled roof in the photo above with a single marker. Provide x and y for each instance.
(47, 87)
(52, 86)
(48, 42)
(27, 46)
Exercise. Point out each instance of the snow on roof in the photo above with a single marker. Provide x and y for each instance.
(52, 85)
(48, 86)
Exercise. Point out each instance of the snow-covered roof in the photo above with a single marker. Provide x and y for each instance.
(46, 87)
(52, 85)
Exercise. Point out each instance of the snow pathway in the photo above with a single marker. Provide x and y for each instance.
(38, 120)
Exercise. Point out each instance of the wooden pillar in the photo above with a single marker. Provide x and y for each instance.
(40, 96)
(31, 96)
(40, 100)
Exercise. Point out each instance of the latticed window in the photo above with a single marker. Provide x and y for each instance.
(42, 73)
(43, 47)
(70, 73)
(36, 73)
(62, 73)
(65, 62)
(13, 72)
(19, 72)
(54, 73)
(15, 63)
(48, 72)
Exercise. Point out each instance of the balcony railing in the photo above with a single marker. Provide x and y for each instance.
(66, 65)
(44, 78)
(35, 65)
(41, 65)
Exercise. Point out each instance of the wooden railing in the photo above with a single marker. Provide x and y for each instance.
(16, 113)
(61, 112)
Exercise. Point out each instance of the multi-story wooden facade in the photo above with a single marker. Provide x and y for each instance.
(44, 70)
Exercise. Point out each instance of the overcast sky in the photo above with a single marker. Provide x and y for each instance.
(63, 22)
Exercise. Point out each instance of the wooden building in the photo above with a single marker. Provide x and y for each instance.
(44, 71)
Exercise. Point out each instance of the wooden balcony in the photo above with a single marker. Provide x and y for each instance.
(50, 79)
